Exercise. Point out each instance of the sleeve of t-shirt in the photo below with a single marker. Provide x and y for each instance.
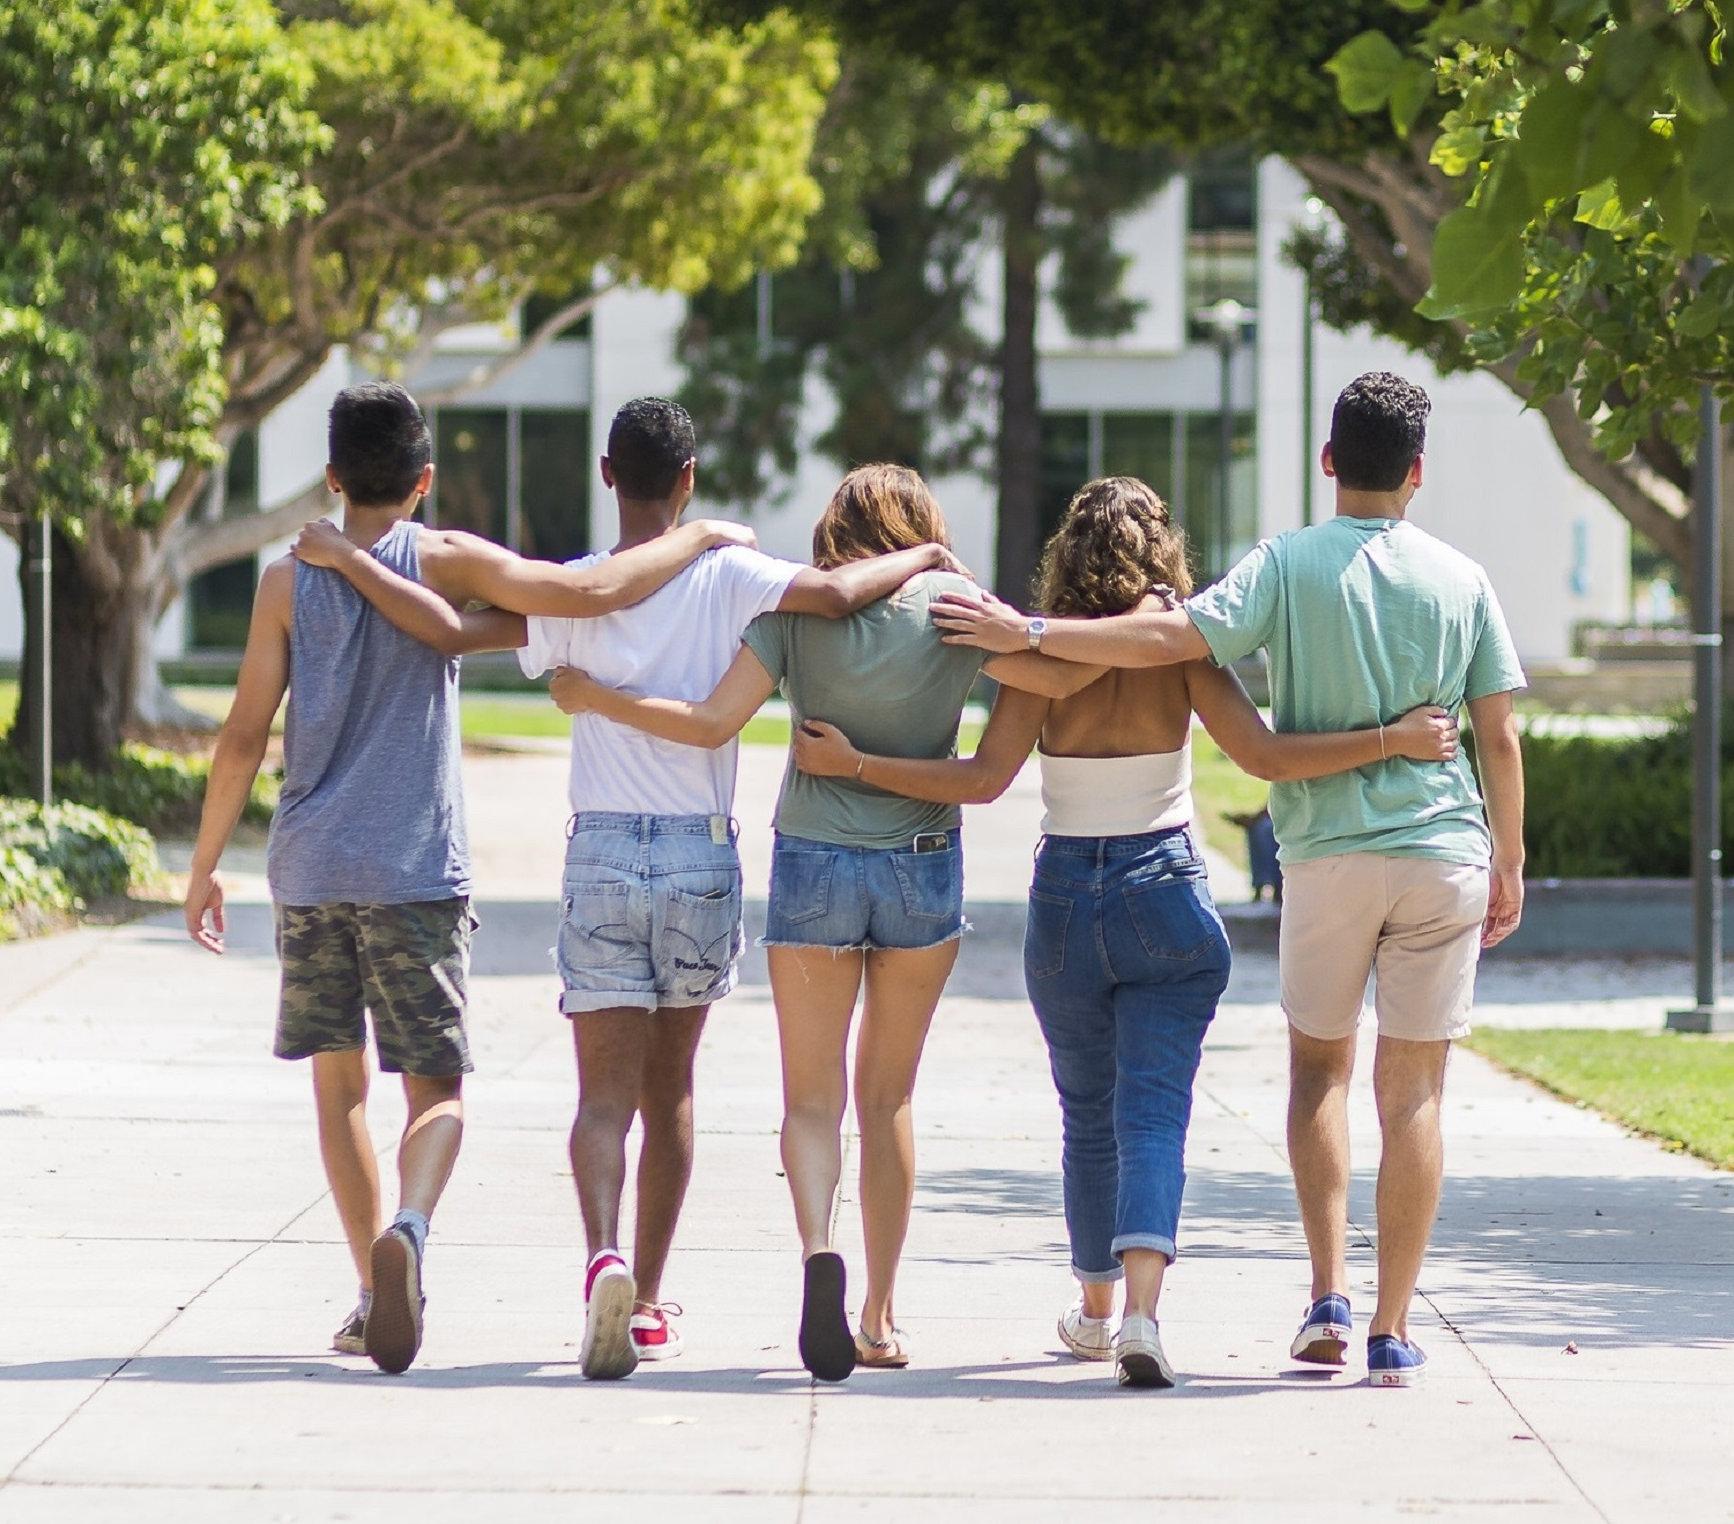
(546, 646)
(1493, 665)
(767, 637)
(754, 583)
(1238, 615)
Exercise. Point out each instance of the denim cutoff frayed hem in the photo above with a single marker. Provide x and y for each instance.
(864, 899)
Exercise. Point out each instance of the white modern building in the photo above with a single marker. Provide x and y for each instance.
(517, 459)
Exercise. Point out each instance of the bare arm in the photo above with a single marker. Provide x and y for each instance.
(259, 689)
(706, 723)
(477, 570)
(844, 589)
(1499, 757)
(1032, 672)
(1143, 638)
(1425, 734)
(414, 607)
(1012, 729)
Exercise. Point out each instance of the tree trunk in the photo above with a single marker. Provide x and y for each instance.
(98, 590)
(1018, 540)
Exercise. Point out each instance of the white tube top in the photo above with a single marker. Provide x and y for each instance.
(1116, 796)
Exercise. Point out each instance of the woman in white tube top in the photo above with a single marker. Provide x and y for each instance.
(1124, 956)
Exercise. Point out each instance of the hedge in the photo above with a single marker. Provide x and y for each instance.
(54, 861)
(160, 790)
(1614, 807)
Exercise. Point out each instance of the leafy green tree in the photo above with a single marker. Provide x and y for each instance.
(478, 151)
(137, 143)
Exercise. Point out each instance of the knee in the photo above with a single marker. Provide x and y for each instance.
(819, 1112)
(878, 1106)
(600, 1117)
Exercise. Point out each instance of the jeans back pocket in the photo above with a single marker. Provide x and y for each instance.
(1175, 921)
(1045, 932)
(931, 883)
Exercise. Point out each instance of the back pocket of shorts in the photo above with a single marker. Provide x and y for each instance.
(800, 886)
(702, 920)
(931, 883)
(595, 925)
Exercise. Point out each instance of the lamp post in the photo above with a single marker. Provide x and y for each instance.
(1707, 1014)
(1227, 324)
(38, 565)
(1312, 221)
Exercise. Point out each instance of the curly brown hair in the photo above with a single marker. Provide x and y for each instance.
(875, 510)
(1116, 543)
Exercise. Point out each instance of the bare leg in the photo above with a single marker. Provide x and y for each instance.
(1144, 1271)
(340, 1099)
(611, 1046)
(1408, 1083)
(1318, 1151)
(903, 990)
(665, 1160)
(1098, 1298)
(815, 990)
(431, 1135)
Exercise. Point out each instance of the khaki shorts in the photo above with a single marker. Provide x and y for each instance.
(1413, 921)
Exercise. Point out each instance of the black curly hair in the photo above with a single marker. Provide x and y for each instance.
(1378, 429)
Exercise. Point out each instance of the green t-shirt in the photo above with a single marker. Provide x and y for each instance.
(1363, 620)
(883, 678)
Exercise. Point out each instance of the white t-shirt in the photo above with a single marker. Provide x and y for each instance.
(677, 643)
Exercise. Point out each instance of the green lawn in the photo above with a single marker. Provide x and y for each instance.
(1218, 787)
(1673, 1087)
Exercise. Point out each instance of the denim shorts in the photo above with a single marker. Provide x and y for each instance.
(651, 911)
(856, 898)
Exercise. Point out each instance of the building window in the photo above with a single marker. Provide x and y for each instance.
(1179, 455)
(519, 476)
(220, 600)
(1222, 230)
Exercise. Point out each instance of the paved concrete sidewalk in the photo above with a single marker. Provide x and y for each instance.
(170, 1273)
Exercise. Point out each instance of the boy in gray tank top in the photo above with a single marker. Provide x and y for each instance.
(368, 861)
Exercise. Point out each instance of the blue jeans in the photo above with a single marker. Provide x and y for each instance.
(1125, 958)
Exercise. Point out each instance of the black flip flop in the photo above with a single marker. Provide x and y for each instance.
(827, 1347)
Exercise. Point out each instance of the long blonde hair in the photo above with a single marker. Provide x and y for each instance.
(875, 510)
(1116, 543)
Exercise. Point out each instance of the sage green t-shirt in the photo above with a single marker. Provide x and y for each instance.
(884, 678)
(1363, 620)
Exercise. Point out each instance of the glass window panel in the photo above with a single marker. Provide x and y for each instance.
(555, 472)
(1217, 536)
(470, 475)
(220, 602)
(1065, 464)
(538, 309)
(1141, 445)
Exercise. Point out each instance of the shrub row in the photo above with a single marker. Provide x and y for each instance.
(160, 790)
(54, 861)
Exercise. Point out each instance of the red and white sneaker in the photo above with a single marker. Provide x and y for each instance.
(655, 1336)
(608, 1351)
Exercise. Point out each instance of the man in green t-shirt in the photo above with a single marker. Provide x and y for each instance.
(1399, 870)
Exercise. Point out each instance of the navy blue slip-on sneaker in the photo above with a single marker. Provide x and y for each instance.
(1394, 1362)
(1324, 1336)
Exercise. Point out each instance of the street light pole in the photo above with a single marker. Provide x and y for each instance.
(38, 566)
(1313, 219)
(1228, 324)
(1708, 1014)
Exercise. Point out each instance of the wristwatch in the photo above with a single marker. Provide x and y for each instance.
(1034, 631)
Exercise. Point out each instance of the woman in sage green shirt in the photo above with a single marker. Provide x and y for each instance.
(866, 885)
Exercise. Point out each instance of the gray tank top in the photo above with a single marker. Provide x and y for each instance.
(373, 803)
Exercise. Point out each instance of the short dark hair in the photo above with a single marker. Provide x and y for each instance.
(1378, 429)
(378, 443)
(649, 444)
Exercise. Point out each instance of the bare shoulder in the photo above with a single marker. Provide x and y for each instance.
(277, 584)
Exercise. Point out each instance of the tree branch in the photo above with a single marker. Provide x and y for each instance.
(487, 374)
(193, 547)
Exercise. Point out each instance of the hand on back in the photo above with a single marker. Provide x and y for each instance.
(321, 543)
(824, 751)
(1426, 733)
(572, 690)
(981, 620)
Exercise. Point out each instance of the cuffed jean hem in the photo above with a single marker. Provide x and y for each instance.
(1098, 1277)
(587, 1002)
(1124, 1241)
(867, 946)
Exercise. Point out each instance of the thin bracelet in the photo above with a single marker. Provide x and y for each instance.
(1384, 756)
(859, 765)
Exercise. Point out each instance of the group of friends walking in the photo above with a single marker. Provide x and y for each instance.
(1396, 864)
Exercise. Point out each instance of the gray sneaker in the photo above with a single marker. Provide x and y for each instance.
(1138, 1356)
(351, 1339)
(394, 1321)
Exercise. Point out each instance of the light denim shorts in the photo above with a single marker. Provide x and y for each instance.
(865, 897)
(651, 911)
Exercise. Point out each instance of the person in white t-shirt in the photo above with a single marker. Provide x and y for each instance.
(651, 925)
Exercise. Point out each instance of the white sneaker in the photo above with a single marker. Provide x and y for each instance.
(1138, 1356)
(1086, 1337)
(608, 1352)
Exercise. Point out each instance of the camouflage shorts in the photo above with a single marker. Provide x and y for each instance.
(407, 964)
